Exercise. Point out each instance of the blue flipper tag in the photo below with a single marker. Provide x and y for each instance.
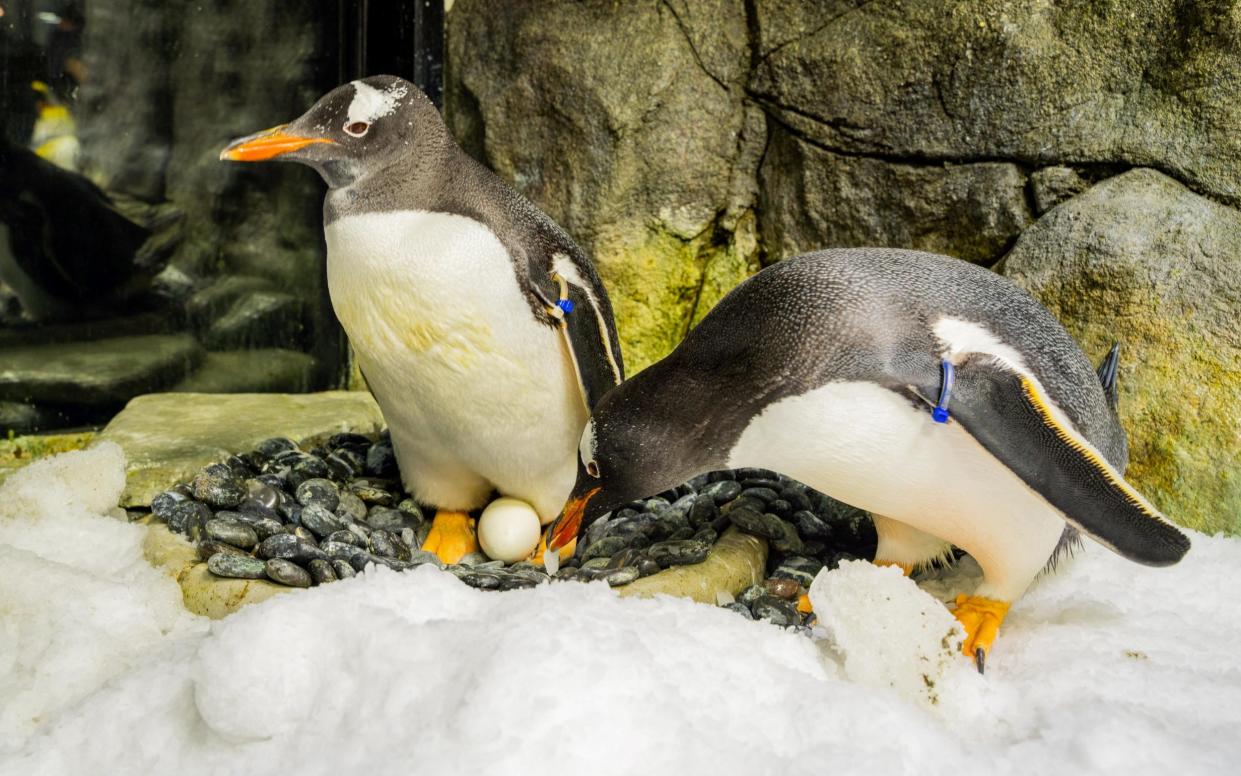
(566, 305)
(940, 413)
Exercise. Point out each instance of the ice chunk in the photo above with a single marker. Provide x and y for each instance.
(888, 631)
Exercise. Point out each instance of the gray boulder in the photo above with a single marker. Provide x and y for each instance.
(1142, 260)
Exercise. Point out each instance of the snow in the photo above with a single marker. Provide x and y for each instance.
(1103, 667)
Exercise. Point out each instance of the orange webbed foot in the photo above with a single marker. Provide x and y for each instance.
(453, 536)
(981, 618)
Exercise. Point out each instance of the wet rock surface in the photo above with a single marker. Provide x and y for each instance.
(302, 517)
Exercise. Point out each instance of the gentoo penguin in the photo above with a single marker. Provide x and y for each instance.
(482, 330)
(930, 392)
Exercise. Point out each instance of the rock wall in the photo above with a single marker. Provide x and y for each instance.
(685, 143)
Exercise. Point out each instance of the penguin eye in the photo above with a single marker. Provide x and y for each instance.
(592, 468)
(357, 128)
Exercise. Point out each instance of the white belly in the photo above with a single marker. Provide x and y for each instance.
(476, 392)
(865, 445)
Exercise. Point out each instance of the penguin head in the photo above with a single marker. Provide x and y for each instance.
(352, 132)
(636, 444)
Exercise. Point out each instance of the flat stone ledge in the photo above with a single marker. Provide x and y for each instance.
(737, 561)
(167, 437)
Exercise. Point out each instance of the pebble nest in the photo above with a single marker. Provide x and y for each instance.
(309, 517)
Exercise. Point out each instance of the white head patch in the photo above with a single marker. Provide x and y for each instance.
(370, 103)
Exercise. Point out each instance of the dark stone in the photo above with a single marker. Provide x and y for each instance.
(411, 508)
(390, 519)
(289, 547)
(348, 439)
(232, 532)
(275, 446)
(723, 491)
(321, 492)
(752, 594)
(371, 492)
(798, 568)
(162, 504)
(706, 535)
(745, 502)
(810, 526)
(320, 521)
(350, 508)
(217, 486)
(621, 576)
(605, 548)
(236, 566)
(343, 569)
(751, 473)
(381, 460)
(754, 523)
(797, 499)
(287, 573)
(189, 518)
(763, 494)
(482, 580)
(776, 611)
(647, 567)
(321, 571)
(702, 511)
(348, 537)
(678, 552)
(780, 508)
(209, 547)
(355, 460)
(788, 541)
(341, 551)
(386, 545)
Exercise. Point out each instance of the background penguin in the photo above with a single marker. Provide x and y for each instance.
(481, 328)
(827, 367)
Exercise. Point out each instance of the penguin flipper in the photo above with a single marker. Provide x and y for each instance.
(587, 320)
(1011, 416)
(1107, 374)
(592, 350)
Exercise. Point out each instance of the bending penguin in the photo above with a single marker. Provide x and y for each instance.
(933, 393)
(482, 330)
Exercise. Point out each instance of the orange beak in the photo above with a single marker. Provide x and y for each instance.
(267, 144)
(569, 523)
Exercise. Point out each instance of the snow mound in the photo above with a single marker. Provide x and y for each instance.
(1106, 667)
(888, 631)
(78, 603)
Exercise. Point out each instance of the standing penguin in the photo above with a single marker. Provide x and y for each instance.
(482, 330)
(930, 392)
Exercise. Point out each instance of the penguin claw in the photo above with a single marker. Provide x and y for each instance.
(980, 659)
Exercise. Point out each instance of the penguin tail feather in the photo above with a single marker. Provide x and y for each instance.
(1009, 414)
(1107, 374)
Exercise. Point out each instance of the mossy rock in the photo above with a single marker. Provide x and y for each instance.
(168, 437)
(1142, 260)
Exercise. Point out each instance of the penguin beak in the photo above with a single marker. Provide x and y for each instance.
(267, 144)
(569, 523)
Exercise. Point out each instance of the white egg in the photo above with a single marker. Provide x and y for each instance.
(509, 530)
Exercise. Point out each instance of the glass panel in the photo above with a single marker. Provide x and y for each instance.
(131, 259)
